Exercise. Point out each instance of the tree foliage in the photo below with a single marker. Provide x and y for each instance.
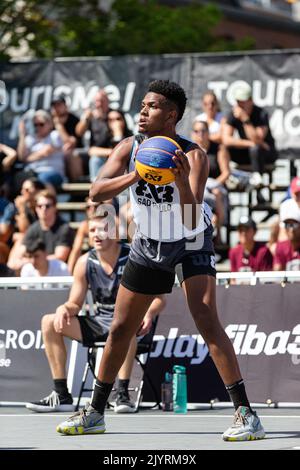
(81, 28)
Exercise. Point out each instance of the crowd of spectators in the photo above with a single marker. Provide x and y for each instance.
(59, 146)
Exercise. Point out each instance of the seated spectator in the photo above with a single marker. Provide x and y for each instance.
(95, 120)
(7, 215)
(25, 215)
(65, 123)
(117, 126)
(38, 263)
(249, 255)
(215, 193)
(254, 144)
(8, 157)
(42, 153)
(287, 254)
(218, 155)
(50, 227)
(5, 271)
(99, 270)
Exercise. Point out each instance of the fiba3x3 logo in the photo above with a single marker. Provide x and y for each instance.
(2, 92)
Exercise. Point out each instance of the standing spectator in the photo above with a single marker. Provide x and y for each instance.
(249, 255)
(51, 228)
(39, 265)
(254, 144)
(287, 254)
(42, 153)
(65, 123)
(95, 120)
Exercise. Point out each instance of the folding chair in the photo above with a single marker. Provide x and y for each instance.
(144, 348)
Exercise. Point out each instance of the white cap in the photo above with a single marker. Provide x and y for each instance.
(242, 92)
(289, 210)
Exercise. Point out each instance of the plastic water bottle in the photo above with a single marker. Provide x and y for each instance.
(179, 389)
(167, 393)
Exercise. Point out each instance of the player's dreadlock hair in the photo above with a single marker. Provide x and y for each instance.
(172, 91)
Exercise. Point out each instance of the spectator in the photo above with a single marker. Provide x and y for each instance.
(287, 254)
(25, 215)
(117, 126)
(249, 255)
(95, 120)
(99, 270)
(82, 235)
(65, 123)
(39, 264)
(51, 228)
(42, 153)
(7, 214)
(219, 156)
(5, 271)
(215, 193)
(8, 156)
(254, 144)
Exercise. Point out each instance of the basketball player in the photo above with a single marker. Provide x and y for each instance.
(154, 259)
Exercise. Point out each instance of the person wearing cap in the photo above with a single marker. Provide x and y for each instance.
(247, 135)
(65, 123)
(249, 255)
(287, 254)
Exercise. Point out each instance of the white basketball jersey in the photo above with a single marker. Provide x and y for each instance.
(157, 211)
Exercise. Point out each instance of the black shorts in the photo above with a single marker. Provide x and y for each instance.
(91, 331)
(152, 265)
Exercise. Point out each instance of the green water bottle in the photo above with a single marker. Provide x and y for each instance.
(179, 389)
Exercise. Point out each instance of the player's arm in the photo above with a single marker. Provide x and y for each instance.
(156, 307)
(112, 179)
(73, 305)
(191, 173)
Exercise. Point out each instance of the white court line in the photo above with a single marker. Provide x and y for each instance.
(132, 416)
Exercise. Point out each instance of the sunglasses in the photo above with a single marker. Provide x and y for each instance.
(46, 206)
(39, 124)
(293, 225)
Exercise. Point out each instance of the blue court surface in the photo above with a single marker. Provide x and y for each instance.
(149, 429)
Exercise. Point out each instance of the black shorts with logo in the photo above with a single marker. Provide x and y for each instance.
(152, 265)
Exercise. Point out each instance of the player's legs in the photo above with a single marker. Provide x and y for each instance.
(200, 292)
(130, 310)
(201, 297)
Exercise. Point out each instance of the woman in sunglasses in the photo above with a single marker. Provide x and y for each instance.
(42, 153)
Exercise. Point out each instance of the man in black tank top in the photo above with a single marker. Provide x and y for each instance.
(99, 271)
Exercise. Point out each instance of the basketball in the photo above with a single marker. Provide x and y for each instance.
(153, 160)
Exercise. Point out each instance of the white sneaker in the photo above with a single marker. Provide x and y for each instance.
(246, 426)
(52, 403)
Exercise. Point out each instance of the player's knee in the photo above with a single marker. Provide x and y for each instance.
(119, 331)
(47, 323)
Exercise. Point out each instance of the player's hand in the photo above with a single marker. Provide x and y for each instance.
(61, 319)
(182, 170)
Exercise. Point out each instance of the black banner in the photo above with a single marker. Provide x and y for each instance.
(274, 78)
(262, 322)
